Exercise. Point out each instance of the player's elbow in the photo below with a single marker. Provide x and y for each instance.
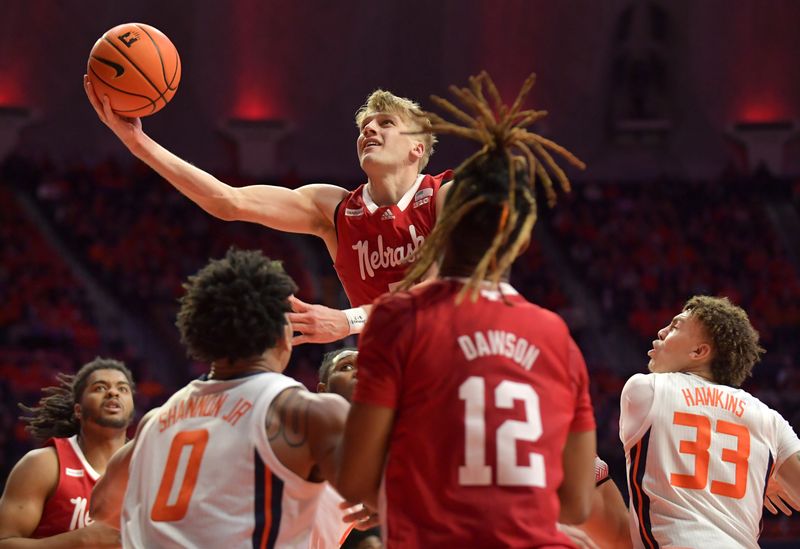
(347, 489)
(576, 505)
(220, 200)
(225, 207)
(355, 483)
(577, 498)
(577, 488)
(358, 492)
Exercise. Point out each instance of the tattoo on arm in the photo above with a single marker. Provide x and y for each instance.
(288, 418)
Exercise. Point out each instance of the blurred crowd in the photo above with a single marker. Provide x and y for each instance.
(640, 249)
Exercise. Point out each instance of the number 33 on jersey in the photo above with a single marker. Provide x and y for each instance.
(699, 456)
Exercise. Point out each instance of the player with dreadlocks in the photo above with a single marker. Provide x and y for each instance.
(83, 421)
(461, 402)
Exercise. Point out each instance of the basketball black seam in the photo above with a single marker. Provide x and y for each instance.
(126, 92)
(161, 59)
(140, 71)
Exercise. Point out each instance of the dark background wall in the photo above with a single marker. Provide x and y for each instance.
(313, 63)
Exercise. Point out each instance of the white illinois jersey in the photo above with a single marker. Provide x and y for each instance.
(698, 457)
(204, 475)
(330, 530)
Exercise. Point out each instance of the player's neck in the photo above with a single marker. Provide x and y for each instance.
(387, 187)
(456, 270)
(228, 369)
(99, 444)
(703, 371)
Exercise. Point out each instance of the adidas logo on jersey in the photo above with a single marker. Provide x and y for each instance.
(73, 472)
(387, 215)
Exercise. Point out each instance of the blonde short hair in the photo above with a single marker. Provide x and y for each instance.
(408, 110)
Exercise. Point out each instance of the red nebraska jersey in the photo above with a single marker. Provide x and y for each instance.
(68, 507)
(485, 395)
(377, 243)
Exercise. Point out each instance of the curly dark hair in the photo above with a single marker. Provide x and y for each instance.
(735, 342)
(54, 415)
(235, 307)
(492, 204)
(327, 363)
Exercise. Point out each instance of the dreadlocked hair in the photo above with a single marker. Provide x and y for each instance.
(235, 307)
(499, 178)
(54, 415)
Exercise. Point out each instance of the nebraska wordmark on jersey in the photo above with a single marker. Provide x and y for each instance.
(376, 244)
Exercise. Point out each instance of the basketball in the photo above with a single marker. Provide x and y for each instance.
(137, 67)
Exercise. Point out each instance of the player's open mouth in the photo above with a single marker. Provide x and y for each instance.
(370, 143)
(112, 406)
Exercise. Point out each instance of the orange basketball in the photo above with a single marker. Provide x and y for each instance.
(137, 67)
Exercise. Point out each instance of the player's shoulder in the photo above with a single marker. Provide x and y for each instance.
(339, 202)
(323, 191)
(545, 315)
(753, 402)
(346, 194)
(399, 300)
(41, 457)
(438, 179)
(539, 317)
(39, 466)
(406, 302)
(297, 395)
(640, 382)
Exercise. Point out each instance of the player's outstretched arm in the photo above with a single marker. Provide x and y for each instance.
(307, 210)
(364, 448)
(577, 488)
(28, 486)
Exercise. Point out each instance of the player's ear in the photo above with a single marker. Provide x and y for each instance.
(285, 343)
(418, 151)
(701, 352)
(76, 411)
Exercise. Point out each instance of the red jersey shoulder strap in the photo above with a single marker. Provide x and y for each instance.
(71, 460)
(343, 208)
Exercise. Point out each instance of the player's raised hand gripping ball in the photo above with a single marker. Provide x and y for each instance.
(137, 67)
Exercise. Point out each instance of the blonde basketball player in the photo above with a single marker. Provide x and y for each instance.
(371, 233)
(699, 449)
